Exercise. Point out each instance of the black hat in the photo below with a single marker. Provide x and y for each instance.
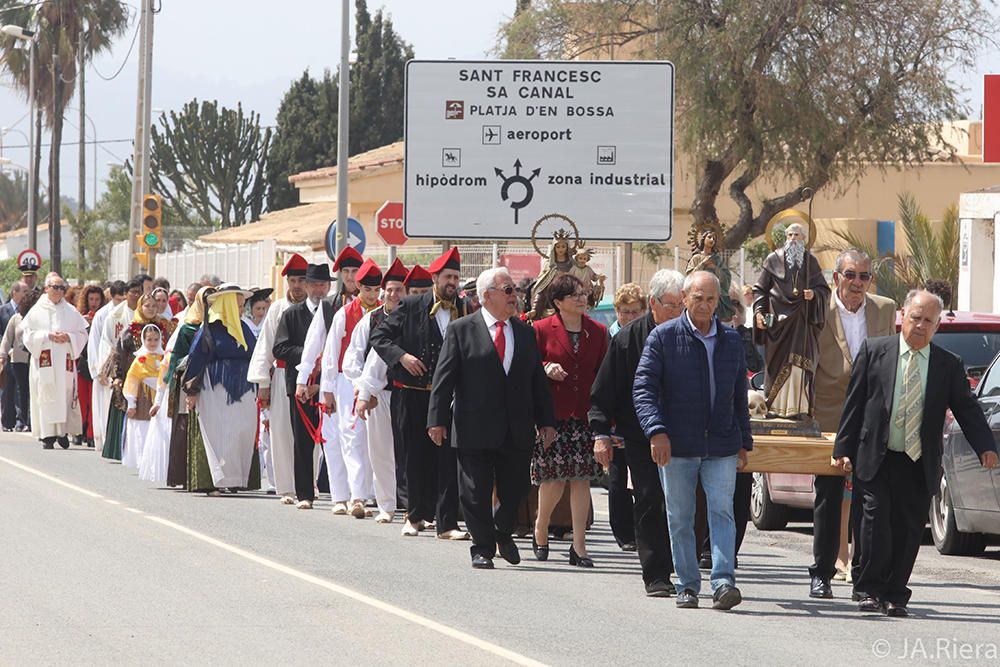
(260, 294)
(318, 273)
(470, 286)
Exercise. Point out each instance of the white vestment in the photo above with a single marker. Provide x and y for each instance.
(97, 353)
(55, 408)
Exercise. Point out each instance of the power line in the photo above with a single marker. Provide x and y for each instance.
(124, 62)
(102, 141)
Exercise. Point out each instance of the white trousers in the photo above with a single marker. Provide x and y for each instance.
(100, 401)
(353, 442)
(381, 452)
(264, 449)
(336, 468)
(282, 441)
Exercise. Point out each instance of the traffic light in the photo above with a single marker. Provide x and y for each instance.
(152, 222)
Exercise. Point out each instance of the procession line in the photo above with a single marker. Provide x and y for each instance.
(399, 612)
(445, 630)
(50, 478)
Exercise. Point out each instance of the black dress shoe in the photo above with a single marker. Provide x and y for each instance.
(705, 562)
(7, 430)
(870, 604)
(541, 551)
(687, 599)
(856, 596)
(508, 551)
(579, 561)
(660, 588)
(896, 610)
(48, 443)
(628, 546)
(481, 562)
(820, 589)
(63, 441)
(726, 597)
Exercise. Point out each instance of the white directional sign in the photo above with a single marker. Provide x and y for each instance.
(493, 146)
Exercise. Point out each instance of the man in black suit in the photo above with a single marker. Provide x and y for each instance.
(491, 368)
(890, 436)
(288, 342)
(8, 407)
(409, 341)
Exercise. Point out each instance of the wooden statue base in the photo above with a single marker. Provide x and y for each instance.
(782, 452)
(807, 428)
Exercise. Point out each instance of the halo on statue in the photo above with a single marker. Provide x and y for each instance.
(695, 232)
(559, 234)
(784, 216)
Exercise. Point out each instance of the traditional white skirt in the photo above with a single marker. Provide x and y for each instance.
(229, 431)
(135, 439)
(156, 450)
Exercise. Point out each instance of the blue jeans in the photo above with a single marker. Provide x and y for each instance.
(718, 479)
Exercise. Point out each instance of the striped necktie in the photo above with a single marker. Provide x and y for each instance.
(911, 410)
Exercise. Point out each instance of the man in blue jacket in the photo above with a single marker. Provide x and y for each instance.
(690, 395)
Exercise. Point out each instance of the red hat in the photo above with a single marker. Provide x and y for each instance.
(417, 277)
(347, 258)
(449, 260)
(369, 274)
(395, 272)
(295, 266)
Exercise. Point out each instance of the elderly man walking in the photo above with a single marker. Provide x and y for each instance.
(55, 333)
(690, 395)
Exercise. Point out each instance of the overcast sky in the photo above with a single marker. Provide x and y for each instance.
(249, 52)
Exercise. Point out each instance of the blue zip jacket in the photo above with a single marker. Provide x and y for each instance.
(672, 396)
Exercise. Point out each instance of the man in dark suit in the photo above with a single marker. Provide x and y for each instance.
(8, 407)
(490, 367)
(890, 436)
(288, 342)
(611, 405)
(409, 341)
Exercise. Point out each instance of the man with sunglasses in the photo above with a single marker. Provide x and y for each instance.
(852, 316)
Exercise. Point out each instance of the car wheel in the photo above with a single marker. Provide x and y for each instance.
(948, 539)
(764, 513)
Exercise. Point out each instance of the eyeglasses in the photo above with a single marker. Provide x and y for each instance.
(578, 295)
(61, 288)
(864, 276)
(672, 306)
(506, 289)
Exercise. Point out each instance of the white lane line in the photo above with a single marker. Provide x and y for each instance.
(375, 603)
(111, 502)
(133, 510)
(50, 478)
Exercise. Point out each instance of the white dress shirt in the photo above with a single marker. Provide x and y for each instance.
(855, 326)
(443, 319)
(313, 345)
(508, 334)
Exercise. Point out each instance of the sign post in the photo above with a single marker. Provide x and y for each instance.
(493, 146)
(355, 238)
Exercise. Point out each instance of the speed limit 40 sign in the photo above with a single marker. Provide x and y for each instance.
(389, 223)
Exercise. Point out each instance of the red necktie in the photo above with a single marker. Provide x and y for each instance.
(500, 341)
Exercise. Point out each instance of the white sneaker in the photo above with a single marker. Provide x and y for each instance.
(339, 508)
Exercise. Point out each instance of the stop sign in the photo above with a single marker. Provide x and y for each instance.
(389, 223)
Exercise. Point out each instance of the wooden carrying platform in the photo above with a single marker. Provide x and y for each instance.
(792, 454)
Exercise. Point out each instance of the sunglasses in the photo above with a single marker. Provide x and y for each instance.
(864, 276)
(506, 289)
(61, 288)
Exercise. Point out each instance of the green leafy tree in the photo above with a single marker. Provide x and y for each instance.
(814, 91)
(65, 28)
(306, 133)
(210, 164)
(305, 137)
(14, 201)
(933, 255)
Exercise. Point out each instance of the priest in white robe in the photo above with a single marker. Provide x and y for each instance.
(55, 334)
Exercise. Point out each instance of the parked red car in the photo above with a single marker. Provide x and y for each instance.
(974, 337)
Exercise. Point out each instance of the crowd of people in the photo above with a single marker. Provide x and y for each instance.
(409, 395)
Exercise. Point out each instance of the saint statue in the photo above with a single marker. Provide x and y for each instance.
(558, 261)
(708, 258)
(790, 304)
(592, 281)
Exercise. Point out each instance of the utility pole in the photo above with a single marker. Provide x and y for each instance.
(32, 163)
(343, 124)
(81, 262)
(143, 114)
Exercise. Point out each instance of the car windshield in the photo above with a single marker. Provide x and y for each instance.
(975, 348)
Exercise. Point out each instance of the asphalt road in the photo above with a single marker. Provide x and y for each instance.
(98, 567)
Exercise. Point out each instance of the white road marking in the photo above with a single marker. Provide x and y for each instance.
(344, 591)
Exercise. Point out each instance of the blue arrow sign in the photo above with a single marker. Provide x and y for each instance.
(355, 238)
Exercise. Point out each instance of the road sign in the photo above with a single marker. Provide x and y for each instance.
(389, 223)
(355, 238)
(493, 146)
(29, 260)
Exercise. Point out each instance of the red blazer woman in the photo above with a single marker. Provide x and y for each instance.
(571, 397)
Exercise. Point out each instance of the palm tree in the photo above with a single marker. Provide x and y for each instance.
(64, 29)
(932, 255)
